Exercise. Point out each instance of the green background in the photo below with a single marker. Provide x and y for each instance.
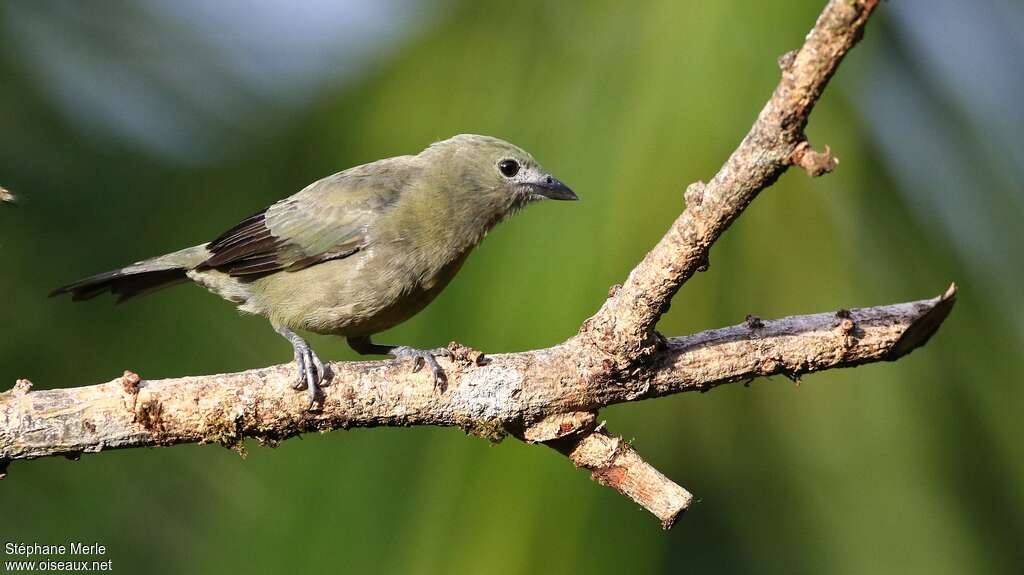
(909, 467)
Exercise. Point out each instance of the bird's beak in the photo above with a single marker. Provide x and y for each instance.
(552, 188)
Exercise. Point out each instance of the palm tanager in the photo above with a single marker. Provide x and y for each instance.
(357, 252)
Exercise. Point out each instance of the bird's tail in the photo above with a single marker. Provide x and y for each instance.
(139, 278)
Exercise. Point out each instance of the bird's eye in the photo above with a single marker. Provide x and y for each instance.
(508, 168)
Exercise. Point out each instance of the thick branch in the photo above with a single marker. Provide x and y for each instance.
(623, 327)
(507, 395)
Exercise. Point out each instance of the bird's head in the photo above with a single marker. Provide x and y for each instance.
(492, 173)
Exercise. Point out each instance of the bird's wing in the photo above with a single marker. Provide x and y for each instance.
(331, 219)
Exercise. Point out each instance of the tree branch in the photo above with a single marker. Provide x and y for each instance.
(548, 396)
(537, 396)
(615, 463)
(623, 328)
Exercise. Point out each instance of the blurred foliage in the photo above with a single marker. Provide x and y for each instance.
(910, 467)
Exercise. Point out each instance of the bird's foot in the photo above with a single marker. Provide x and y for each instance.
(423, 357)
(312, 372)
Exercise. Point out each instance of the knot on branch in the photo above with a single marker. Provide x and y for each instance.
(753, 322)
(130, 382)
(846, 327)
(21, 387)
(814, 163)
(607, 352)
(786, 60)
(466, 355)
(694, 194)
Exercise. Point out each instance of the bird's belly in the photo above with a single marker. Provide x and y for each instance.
(354, 296)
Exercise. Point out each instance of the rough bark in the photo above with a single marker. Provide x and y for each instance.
(541, 396)
(546, 396)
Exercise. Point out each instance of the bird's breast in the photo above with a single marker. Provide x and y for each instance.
(374, 290)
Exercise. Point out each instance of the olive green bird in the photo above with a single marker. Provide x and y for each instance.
(357, 252)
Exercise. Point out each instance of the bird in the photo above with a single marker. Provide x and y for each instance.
(355, 253)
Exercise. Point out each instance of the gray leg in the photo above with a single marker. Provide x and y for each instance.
(311, 369)
(420, 357)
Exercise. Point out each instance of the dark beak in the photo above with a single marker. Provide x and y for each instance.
(551, 188)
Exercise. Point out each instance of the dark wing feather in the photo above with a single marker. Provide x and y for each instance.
(331, 219)
(248, 242)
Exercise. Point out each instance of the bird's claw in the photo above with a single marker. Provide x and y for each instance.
(423, 357)
(312, 373)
